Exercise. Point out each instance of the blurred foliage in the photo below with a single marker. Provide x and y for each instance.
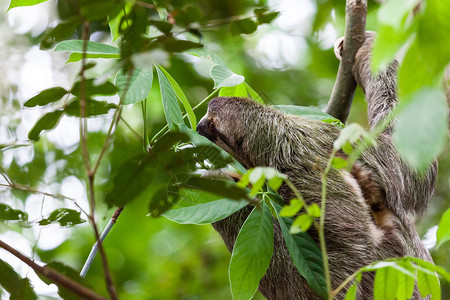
(153, 258)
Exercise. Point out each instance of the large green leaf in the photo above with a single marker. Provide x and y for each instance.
(130, 179)
(46, 96)
(305, 254)
(46, 122)
(200, 207)
(443, 232)
(93, 50)
(92, 47)
(137, 85)
(223, 77)
(182, 97)
(19, 288)
(171, 108)
(252, 253)
(17, 3)
(421, 131)
(64, 216)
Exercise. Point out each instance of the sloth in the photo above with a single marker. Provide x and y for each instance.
(369, 209)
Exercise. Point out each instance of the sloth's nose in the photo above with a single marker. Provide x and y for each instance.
(202, 129)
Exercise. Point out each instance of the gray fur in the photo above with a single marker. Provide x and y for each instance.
(367, 210)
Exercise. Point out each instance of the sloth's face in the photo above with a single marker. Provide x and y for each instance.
(225, 125)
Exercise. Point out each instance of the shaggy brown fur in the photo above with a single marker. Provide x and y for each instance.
(368, 209)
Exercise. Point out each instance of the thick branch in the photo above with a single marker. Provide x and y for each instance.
(345, 85)
(55, 276)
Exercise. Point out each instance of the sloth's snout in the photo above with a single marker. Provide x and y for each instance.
(203, 129)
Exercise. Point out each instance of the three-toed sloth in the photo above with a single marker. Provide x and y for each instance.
(368, 208)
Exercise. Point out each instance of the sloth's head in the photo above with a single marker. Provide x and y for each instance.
(258, 135)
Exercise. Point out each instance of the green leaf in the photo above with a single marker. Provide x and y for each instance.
(443, 232)
(17, 3)
(351, 134)
(182, 97)
(171, 108)
(314, 210)
(428, 284)
(104, 89)
(200, 207)
(46, 122)
(7, 213)
(254, 94)
(93, 108)
(267, 17)
(18, 288)
(137, 85)
(171, 44)
(245, 26)
(164, 27)
(301, 224)
(223, 77)
(75, 56)
(351, 292)
(92, 47)
(388, 42)
(425, 119)
(46, 96)
(385, 284)
(64, 216)
(223, 188)
(61, 32)
(405, 286)
(292, 209)
(312, 113)
(251, 253)
(339, 162)
(239, 90)
(305, 254)
(130, 179)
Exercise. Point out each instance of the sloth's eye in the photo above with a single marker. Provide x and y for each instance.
(211, 126)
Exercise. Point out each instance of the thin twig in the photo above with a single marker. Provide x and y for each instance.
(345, 282)
(321, 231)
(131, 129)
(345, 85)
(90, 173)
(21, 187)
(55, 276)
(94, 249)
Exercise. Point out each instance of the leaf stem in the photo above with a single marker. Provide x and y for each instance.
(321, 230)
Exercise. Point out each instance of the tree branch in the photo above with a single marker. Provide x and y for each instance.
(54, 275)
(95, 248)
(345, 85)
